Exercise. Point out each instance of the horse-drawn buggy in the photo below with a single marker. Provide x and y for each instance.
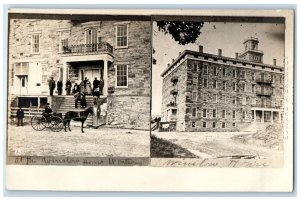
(56, 122)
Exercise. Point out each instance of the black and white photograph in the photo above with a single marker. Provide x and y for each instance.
(218, 90)
(79, 87)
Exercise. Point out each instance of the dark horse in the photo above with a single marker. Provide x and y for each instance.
(77, 116)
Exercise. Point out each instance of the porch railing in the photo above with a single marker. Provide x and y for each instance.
(103, 47)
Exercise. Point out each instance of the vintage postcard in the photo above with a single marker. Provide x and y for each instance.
(178, 100)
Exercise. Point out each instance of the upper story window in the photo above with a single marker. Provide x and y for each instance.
(195, 68)
(35, 43)
(215, 84)
(243, 74)
(194, 96)
(215, 70)
(205, 83)
(234, 73)
(224, 71)
(204, 114)
(64, 39)
(194, 112)
(122, 76)
(234, 86)
(224, 85)
(91, 36)
(21, 68)
(243, 87)
(253, 76)
(205, 69)
(122, 36)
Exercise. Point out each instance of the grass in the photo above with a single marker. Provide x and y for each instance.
(161, 148)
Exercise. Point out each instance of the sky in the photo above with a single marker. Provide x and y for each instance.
(217, 35)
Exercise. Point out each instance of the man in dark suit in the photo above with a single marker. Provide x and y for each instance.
(101, 85)
(20, 116)
(51, 86)
(68, 87)
(59, 87)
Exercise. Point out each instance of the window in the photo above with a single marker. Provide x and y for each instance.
(253, 88)
(195, 68)
(204, 97)
(122, 36)
(215, 98)
(253, 76)
(205, 83)
(234, 73)
(244, 114)
(224, 71)
(205, 69)
(215, 70)
(193, 124)
(243, 74)
(253, 114)
(122, 76)
(233, 114)
(194, 112)
(204, 113)
(21, 68)
(224, 85)
(204, 124)
(194, 96)
(214, 113)
(224, 98)
(233, 124)
(244, 101)
(214, 124)
(63, 40)
(272, 79)
(234, 100)
(224, 114)
(243, 87)
(234, 86)
(215, 84)
(223, 125)
(35, 43)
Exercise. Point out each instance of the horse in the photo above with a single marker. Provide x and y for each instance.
(77, 116)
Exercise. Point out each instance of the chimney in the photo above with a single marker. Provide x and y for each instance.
(236, 55)
(200, 48)
(274, 62)
(220, 52)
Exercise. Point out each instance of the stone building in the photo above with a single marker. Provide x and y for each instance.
(206, 92)
(119, 52)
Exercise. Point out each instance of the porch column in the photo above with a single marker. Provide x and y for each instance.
(105, 77)
(65, 70)
(271, 116)
(254, 115)
(262, 116)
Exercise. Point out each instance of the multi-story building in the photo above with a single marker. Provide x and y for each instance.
(117, 51)
(206, 92)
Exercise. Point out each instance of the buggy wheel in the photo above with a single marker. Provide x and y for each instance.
(38, 122)
(57, 124)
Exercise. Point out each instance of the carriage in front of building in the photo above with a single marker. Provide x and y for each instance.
(53, 121)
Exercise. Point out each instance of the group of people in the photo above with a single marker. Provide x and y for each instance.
(84, 87)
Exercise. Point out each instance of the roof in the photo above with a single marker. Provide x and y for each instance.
(186, 52)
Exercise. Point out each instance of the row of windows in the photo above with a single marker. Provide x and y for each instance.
(90, 38)
(214, 113)
(235, 73)
(214, 124)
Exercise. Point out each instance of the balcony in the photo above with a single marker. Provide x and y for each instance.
(266, 106)
(264, 93)
(263, 80)
(102, 47)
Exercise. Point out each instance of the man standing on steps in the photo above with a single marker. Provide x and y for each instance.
(68, 87)
(51, 86)
(59, 87)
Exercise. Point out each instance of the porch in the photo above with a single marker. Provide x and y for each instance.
(266, 115)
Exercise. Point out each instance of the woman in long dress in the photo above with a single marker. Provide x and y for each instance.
(88, 87)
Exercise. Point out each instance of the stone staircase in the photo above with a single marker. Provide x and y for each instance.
(63, 104)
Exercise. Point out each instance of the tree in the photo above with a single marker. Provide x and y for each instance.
(183, 32)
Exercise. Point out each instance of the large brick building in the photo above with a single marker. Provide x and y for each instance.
(206, 92)
(117, 51)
